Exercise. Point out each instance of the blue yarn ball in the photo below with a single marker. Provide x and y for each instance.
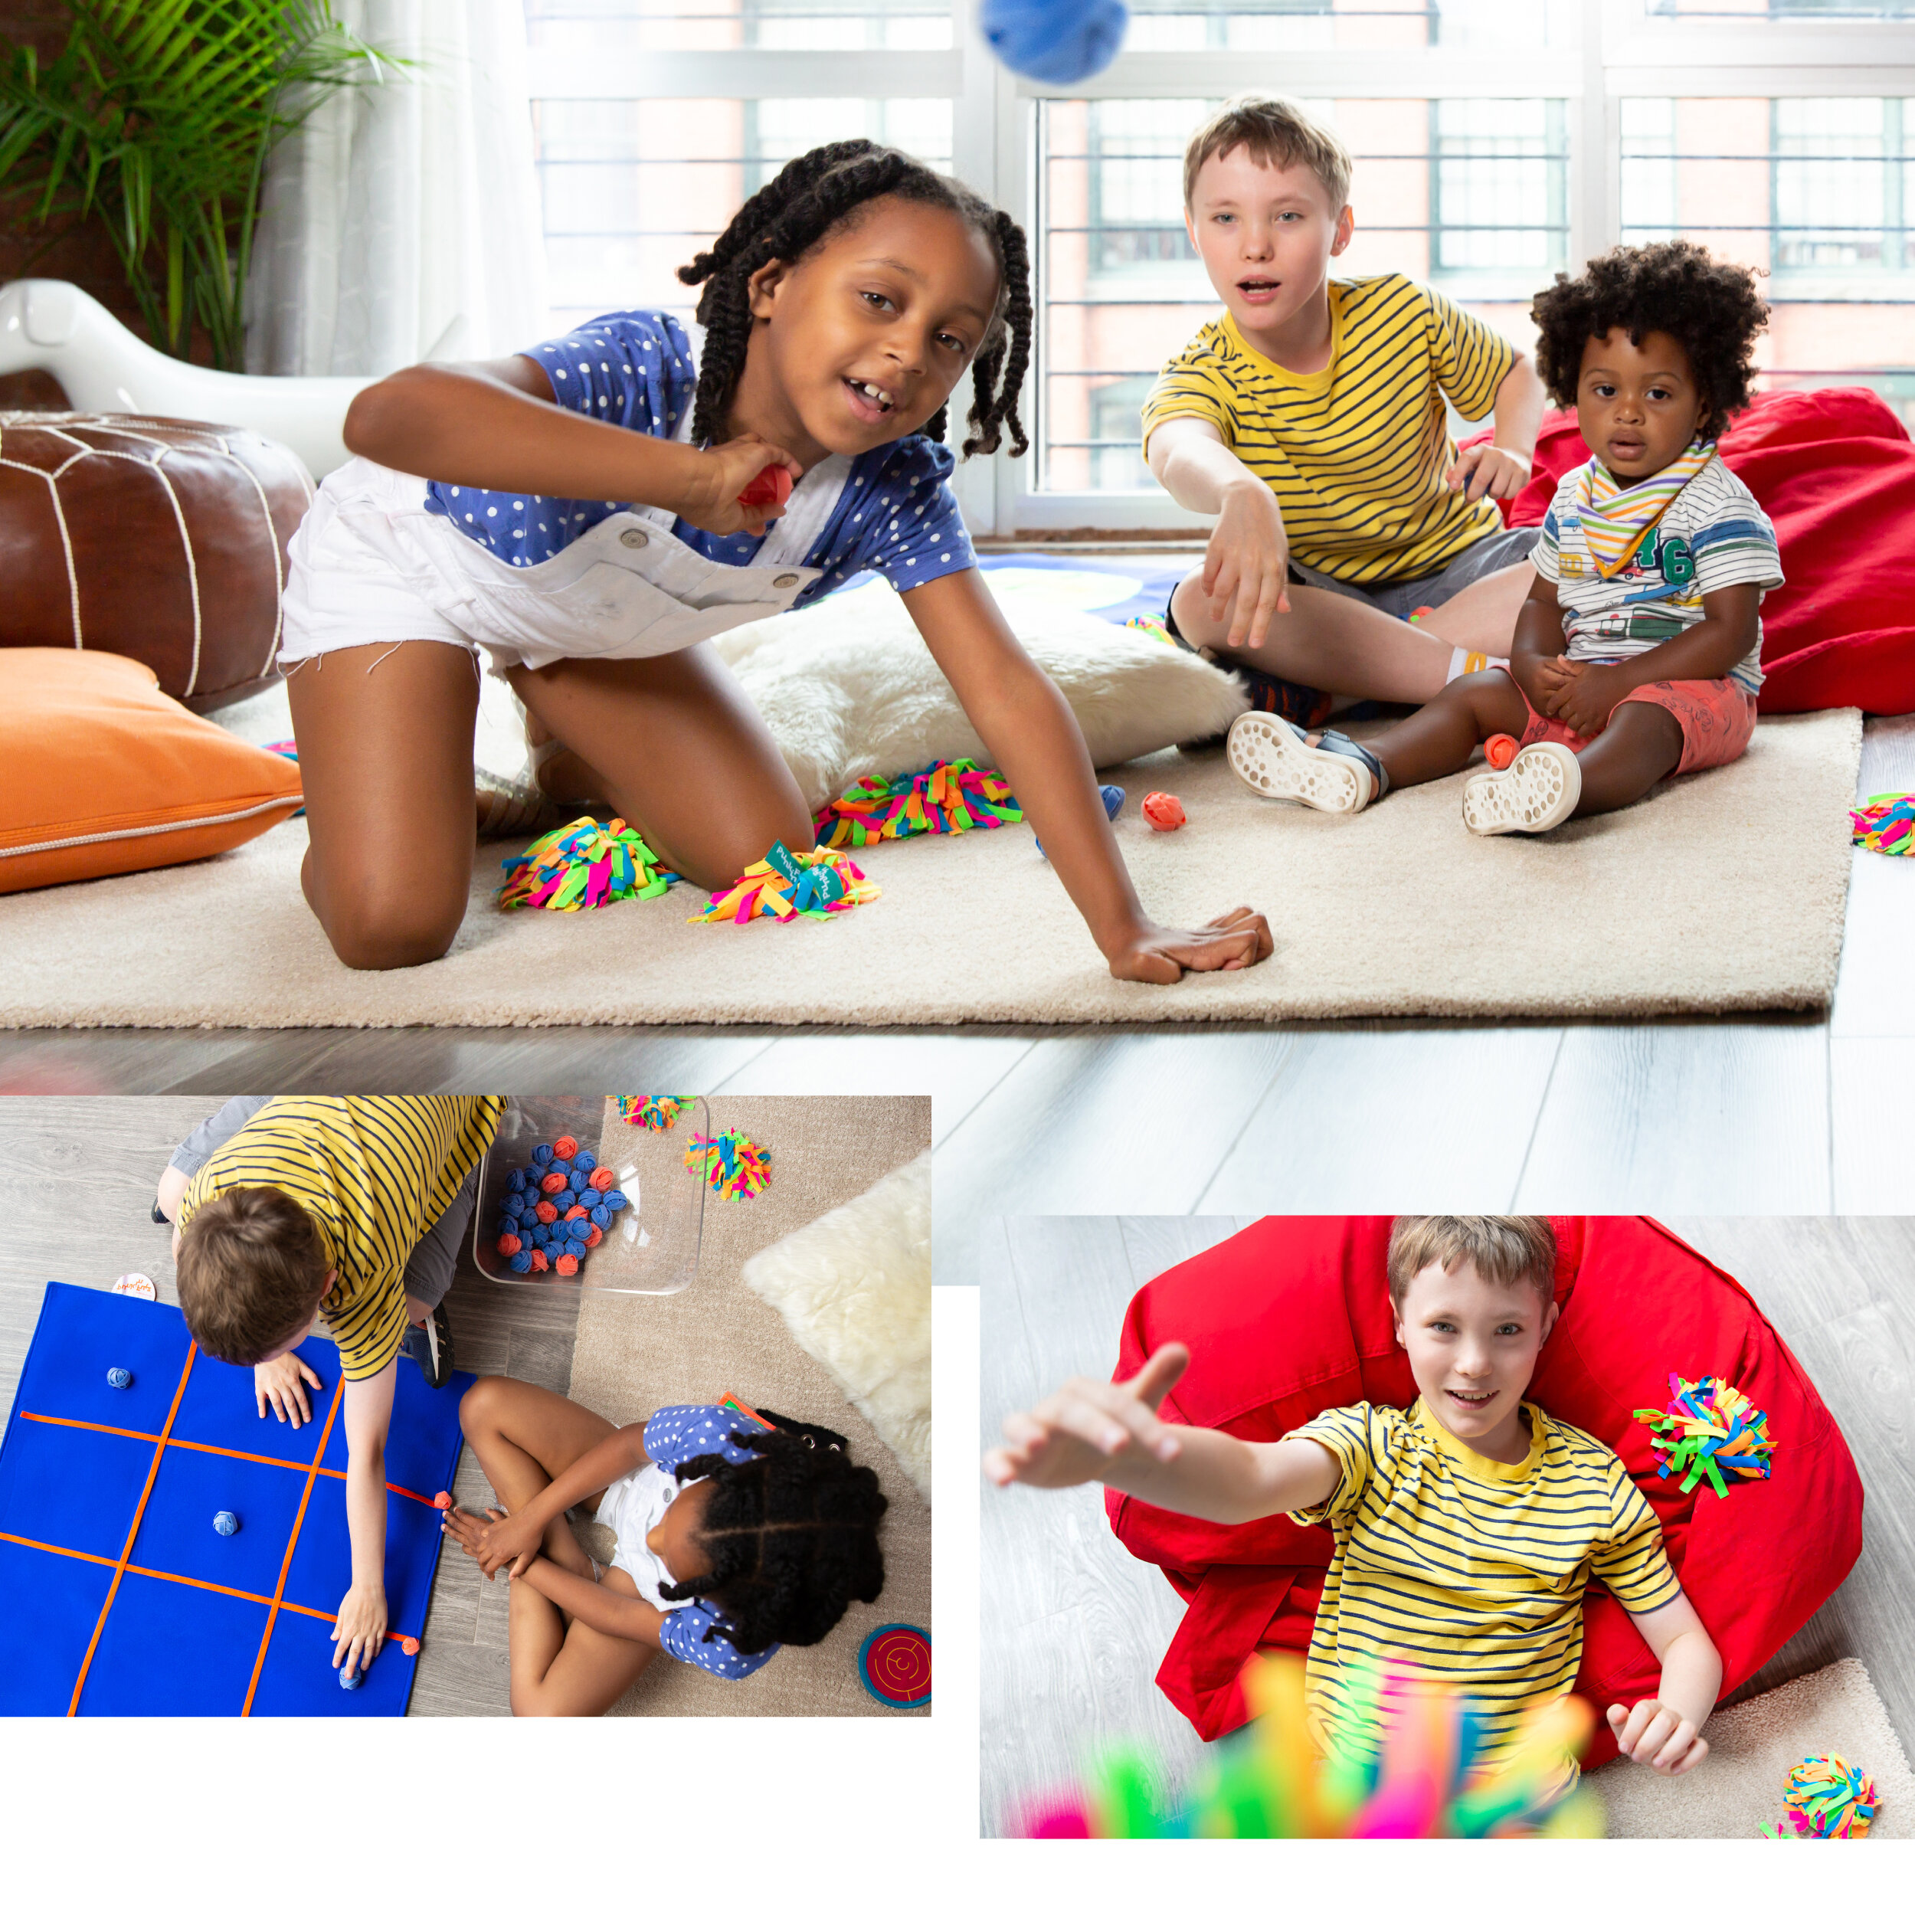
(515, 1202)
(521, 1261)
(119, 1378)
(226, 1522)
(1057, 40)
(586, 1159)
(515, 1180)
(508, 1224)
(349, 1678)
(576, 1249)
(615, 1199)
(601, 1216)
(564, 1199)
(590, 1197)
(541, 1153)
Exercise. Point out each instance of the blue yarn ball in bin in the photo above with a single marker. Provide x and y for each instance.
(1054, 40)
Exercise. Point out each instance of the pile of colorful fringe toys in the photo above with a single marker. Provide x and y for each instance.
(733, 1167)
(1886, 824)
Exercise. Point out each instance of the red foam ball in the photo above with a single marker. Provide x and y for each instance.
(592, 1236)
(443, 1500)
(545, 1211)
(575, 1211)
(553, 1184)
(410, 1645)
(602, 1178)
(509, 1245)
(1164, 811)
(540, 1261)
(1500, 750)
(564, 1146)
(771, 485)
(567, 1264)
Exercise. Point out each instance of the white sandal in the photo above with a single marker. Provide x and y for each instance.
(1269, 755)
(1537, 792)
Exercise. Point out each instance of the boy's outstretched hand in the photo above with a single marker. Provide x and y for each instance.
(1163, 955)
(359, 1629)
(280, 1382)
(1079, 1433)
(1657, 1734)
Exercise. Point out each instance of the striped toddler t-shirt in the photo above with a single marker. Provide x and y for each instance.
(1357, 453)
(375, 1171)
(1470, 1571)
(1712, 534)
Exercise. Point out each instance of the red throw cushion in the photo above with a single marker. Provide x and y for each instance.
(1836, 470)
(1291, 1317)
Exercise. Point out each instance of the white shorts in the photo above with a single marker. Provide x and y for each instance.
(370, 564)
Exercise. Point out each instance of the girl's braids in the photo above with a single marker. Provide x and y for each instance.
(793, 212)
(791, 1535)
(1710, 308)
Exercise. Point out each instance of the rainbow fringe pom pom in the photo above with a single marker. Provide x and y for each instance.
(817, 884)
(1710, 1430)
(1430, 1778)
(1886, 823)
(657, 1111)
(584, 864)
(954, 797)
(1827, 1797)
(735, 1168)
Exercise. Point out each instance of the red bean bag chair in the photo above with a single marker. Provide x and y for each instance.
(1292, 1317)
(1836, 470)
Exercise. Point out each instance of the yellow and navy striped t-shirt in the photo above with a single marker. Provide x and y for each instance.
(1470, 1571)
(1357, 453)
(375, 1171)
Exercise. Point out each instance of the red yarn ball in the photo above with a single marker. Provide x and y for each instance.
(509, 1245)
(540, 1261)
(564, 1146)
(602, 1178)
(567, 1264)
(592, 1236)
(576, 1213)
(553, 1184)
(1164, 811)
(545, 1211)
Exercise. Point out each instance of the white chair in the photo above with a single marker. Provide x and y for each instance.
(106, 369)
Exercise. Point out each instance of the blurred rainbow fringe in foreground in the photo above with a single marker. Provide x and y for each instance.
(1267, 1782)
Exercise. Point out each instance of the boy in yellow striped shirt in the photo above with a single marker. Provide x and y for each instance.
(1467, 1527)
(1309, 419)
(298, 1208)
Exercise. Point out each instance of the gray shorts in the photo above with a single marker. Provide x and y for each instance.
(1485, 556)
(429, 1267)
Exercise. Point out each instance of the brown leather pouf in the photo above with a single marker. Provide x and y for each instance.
(162, 541)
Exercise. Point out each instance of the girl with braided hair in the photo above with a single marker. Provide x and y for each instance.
(736, 1533)
(837, 313)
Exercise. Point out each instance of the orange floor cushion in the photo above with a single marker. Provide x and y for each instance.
(100, 772)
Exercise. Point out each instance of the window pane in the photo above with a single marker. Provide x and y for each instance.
(633, 189)
(1788, 9)
(1819, 193)
(589, 27)
(1291, 25)
(1469, 195)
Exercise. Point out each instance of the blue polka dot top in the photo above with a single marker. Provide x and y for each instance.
(896, 514)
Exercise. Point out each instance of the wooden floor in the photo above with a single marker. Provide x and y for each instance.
(77, 1179)
(1675, 1116)
(1078, 1627)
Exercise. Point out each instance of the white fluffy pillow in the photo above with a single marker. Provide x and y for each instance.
(847, 686)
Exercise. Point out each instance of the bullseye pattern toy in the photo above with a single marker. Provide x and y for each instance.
(1827, 1797)
(783, 884)
(1710, 1430)
(656, 1111)
(1429, 1780)
(957, 797)
(584, 864)
(894, 1665)
(1886, 823)
(557, 1210)
(734, 1168)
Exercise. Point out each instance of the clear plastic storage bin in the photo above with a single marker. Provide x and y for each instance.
(652, 1248)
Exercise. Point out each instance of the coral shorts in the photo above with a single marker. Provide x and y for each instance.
(1718, 718)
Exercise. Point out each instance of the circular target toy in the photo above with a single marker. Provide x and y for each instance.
(894, 1665)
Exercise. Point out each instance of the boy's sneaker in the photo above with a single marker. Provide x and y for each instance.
(429, 1342)
(1536, 791)
(1269, 755)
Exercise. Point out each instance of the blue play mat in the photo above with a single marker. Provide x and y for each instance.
(119, 1597)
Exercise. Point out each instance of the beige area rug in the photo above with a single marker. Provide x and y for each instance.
(1724, 892)
(1752, 1746)
(635, 1354)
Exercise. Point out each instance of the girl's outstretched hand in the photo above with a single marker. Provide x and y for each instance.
(1077, 1434)
(722, 474)
(1657, 1734)
(1163, 955)
(494, 1539)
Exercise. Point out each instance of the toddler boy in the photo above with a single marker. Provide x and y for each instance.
(1467, 1527)
(1309, 419)
(290, 1209)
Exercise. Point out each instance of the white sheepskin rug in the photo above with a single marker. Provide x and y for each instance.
(854, 1288)
(847, 688)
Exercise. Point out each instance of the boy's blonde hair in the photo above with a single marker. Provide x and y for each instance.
(1279, 134)
(252, 1271)
(1504, 1248)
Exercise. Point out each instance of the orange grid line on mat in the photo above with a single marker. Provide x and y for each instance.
(212, 1448)
(119, 1568)
(192, 1582)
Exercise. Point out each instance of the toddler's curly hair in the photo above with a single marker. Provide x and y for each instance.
(1710, 308)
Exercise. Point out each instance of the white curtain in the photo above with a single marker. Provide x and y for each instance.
(402, 221)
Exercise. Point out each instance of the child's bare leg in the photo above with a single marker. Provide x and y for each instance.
(1439, 738)
(1639, 747)
(1481, 616)
(385, 736)
(679, 752)
(523, 1437)
(1335, 643)
(582, 1673)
